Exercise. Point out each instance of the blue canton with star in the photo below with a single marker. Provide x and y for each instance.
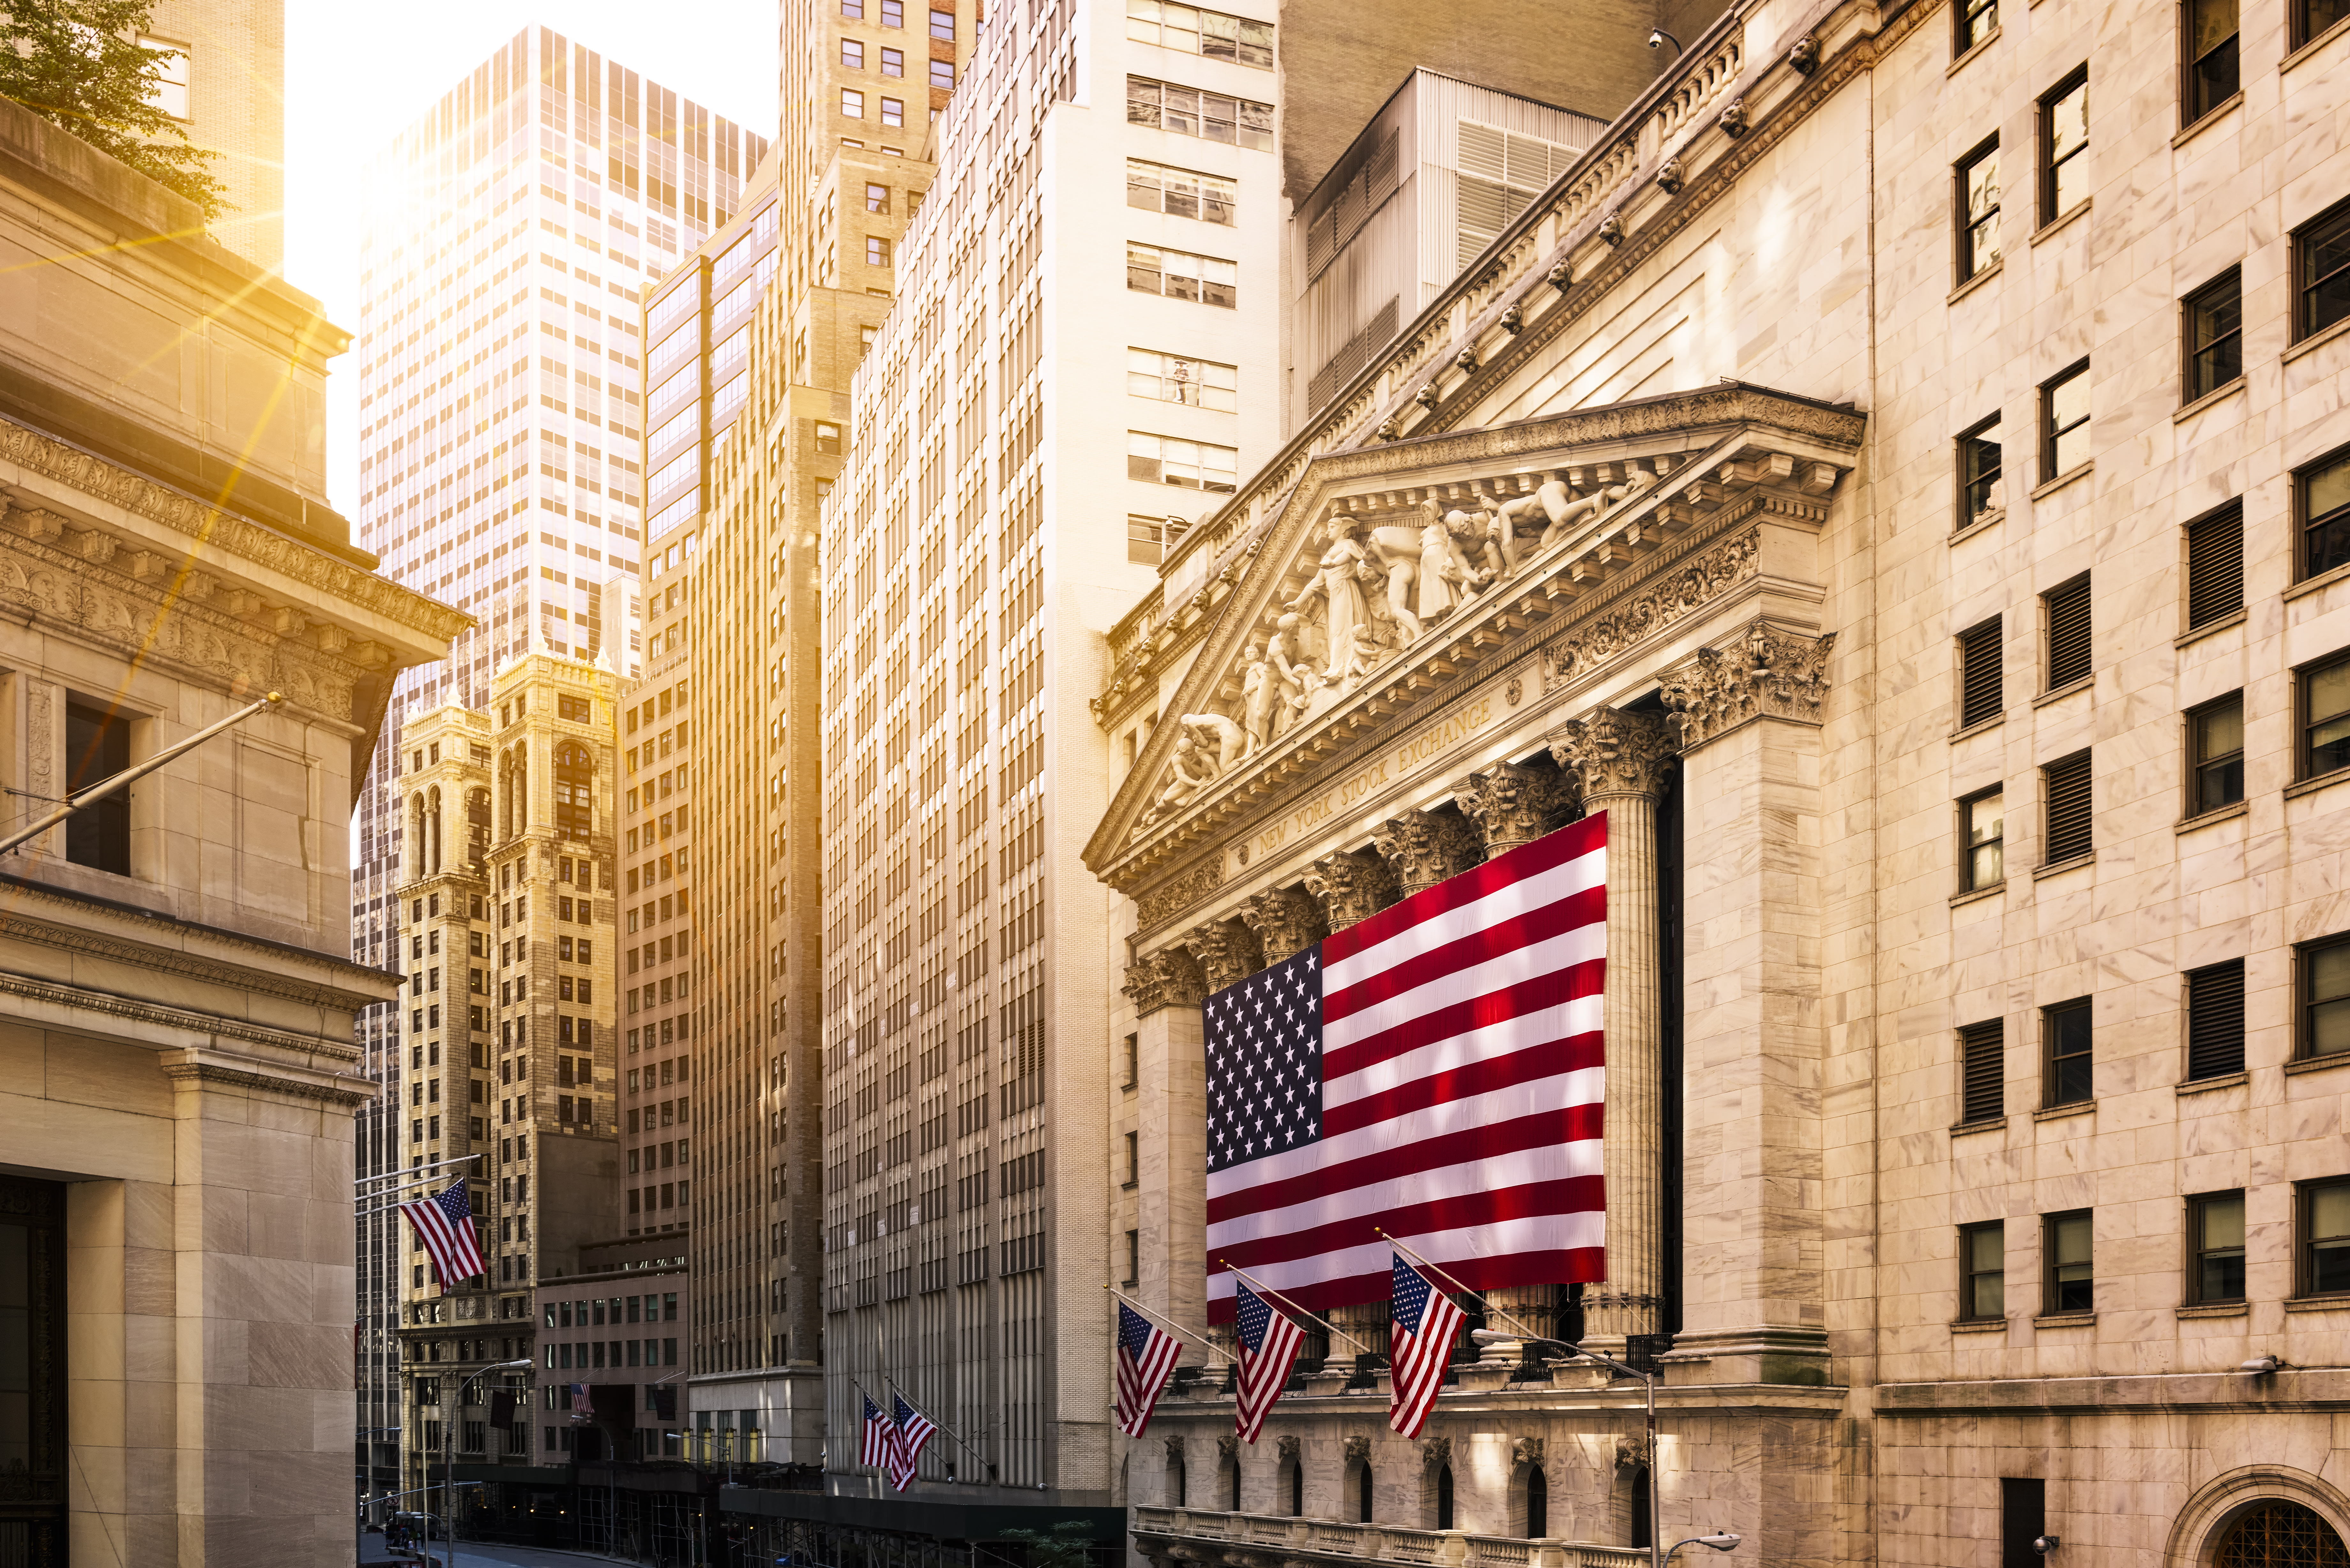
(1264, 1062)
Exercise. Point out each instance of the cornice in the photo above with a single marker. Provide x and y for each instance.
(332, 1092)
(81, 999)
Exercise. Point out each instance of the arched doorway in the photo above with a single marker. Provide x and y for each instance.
(1537, 1503)
(2280, 1533)
(1444, 1498)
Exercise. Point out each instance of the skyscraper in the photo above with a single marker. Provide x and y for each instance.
(512, 230)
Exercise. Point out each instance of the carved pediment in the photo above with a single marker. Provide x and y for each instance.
(1390, 571)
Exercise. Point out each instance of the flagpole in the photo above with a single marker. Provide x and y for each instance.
(934, 1422)
(1202, 1340)
(1490, 1310)
(1268, 1290)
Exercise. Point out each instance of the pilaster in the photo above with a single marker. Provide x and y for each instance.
(1171, 1123)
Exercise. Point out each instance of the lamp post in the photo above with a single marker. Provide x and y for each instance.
(449, 1451)
(1657, 1557)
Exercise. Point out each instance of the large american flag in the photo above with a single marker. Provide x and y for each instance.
(1434, 1071)
(445, 1226)
(1145, 1355)
(1269, 1343)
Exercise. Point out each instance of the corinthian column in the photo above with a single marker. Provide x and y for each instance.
(1620, 759)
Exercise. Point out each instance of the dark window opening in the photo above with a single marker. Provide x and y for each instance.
(2324, 998)
(2216, 749)
(2066, 1028)
(2212, 72)
(2064, 422)
(2067, 1250)
(2322, 271)
(2215, 1231)
(2324, 694)
(2215, 1020)
(2023, 1519)
(2324, 1239)
(1983, 1072)
(2071, 651)
(1981, 695)
(2070, 817)
(98, 747)
(2064, 140)
(2215, 566)
(2215, 331)
(1978, 473)
(1979, 208)
(1537, 1503)
(1982, 1271)
(1444, 1498)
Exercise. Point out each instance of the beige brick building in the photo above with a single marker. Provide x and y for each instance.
(1902, 413)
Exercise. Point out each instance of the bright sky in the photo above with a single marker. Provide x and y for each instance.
(353, 82)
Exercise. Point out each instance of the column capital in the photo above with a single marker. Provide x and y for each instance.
(1426, 846)
(1766, 674)
(1614, 753)
(1511, 804)
(1227, 953)
(1285, 920)
(1352, 885)
(1168, 978)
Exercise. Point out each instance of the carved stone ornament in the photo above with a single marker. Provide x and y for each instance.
(1427, 395)
(1435, 1453)
(1510, 805)
(1358, 1451)
(1805, 56)
(1560, 277)
(1526, 1451)
(1288, 1447)
(1611, 229)
(1514, 320)
(1670, 178)
(1352, 884)
(1228, 1449)
(1388, 429)
(1427, 846)
(1168, 978)
(1174, 1452)
(1650, 611)
(1766, 674)
(1285, 920)
(1163, 903)
(1227, 953)
(1733, 119)
(1467, 358)
(1614, 753)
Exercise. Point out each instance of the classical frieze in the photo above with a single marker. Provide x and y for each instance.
(1285, 920)
(1614, 753)
(1170, 977)
(1427, 846)
(1766, 673)
(1178, 894)
(1651, 610)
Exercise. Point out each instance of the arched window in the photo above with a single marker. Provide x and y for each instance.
(1175, 1497)
(477, 826)
(433, 831)
(575, 781)
(1444, 1498)
(1297, 1488)
(1363, 1494)
(1637, 1477)
(1537, 1503)
(1232, 1489)
(2280, 1533)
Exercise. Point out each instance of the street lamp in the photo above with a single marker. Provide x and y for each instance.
(1718, 1542)
(449, 1451)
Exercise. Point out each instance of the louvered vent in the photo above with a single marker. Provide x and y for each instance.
(1981, 693)
(1499, 172)
(2068, 808)
(2215, 1020)
(1983, 1072)
(2215, 566)
(2068, 633)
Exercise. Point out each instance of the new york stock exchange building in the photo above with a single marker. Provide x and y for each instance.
(1902, 411)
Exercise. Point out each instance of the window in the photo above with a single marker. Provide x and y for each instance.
(893, 13)
(168, 88)
(2215, 334)
(852, 103)
(1977, 21)
(943, 26)
(1178, 274)
(1983, 1072)
(2066, 622)
(893, 62)
(1981, 695)
(1190, 464)
(2313, 17)
(2215, 1020)
(942, 75)
(827, 438)
(2215, 566)
(1982, 1271)
(1979, 493)
(2067, 1267)
(893, 112)
(2324, 692)
(877, 198)
(1179, 192)
(2213, 75)
(877, 251)
(1187, 111)
(2322, 271)
(98, 747)
(852, 54)
(2022, 1520)
(2324, 997)
(1147, 539)
(2322, 1247)
(575, 782)
(2067, 784)
(2215, 1242)
(2215, 739)
(853, 9)
(2321, 498)
(2066, 1028)
(1982, 841)
(2064, 140)
(2064, 422)
(1197, 32)
(1177, 379)
(1978, 187)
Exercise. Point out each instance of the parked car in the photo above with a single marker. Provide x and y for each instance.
(419, 1526)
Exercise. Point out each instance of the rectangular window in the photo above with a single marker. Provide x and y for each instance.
(1983, 1072)
(98, 747)
(1978, 190)
(877, 251)
(852, 103)
(2325, 693)
(2065, 1030)
(893, 13)
(943, 26)
(852, 54)
(1179, 274)
(2215, 334)
(2215, 739)
(2212, 74)
(1982, 841)
(2313, 17)
(1977, 20)
(2324, 1244)
(1982, 691)
(1181, 193)
(1189, 464)
(2067, 1262)
(2064, 422)
(2065, 786)
(2215, 1245)
(854, 10)
(2215, 566)
(1187, 111)
(1146, 541)
(1198, 32)
(1982, 1271)
(1979, 467)
(942, 75)
(2215, 1021)
(2322, 501)
(893, 112)
(168, 89)
(2022, 1520)
(2322, 271)
(2063, 147)
(1180, 378)
(877, 198)
(893, 62)
(2065, 621)
(2324, 997)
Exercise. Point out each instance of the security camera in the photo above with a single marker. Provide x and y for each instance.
(2044, 1545)
(1657, 36)
(1721, 1540)
(2260, 1365)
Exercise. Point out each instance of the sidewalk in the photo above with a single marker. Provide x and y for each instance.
(487, 1554)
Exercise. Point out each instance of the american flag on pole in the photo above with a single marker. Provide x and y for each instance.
(1269, 1343)
(880, 1448)
(580, 1404)
(1434, 1071)
(1146, 1355)
(1420, 1343)
(914, 1429)
(445, 1226)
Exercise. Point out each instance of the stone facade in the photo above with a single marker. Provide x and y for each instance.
(1700, 414)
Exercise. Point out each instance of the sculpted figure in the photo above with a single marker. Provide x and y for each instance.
(1565, 513)
(1336, 583)
(1230, 741)
(1292, 673)
(1446, 576)
(1507, 524)
(1396, 550)
(1260, 690)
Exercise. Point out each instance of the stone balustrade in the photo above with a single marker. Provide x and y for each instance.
(1210, 1537)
